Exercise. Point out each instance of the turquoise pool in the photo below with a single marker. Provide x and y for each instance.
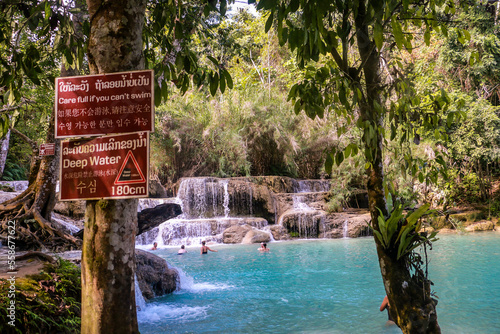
(321, 286)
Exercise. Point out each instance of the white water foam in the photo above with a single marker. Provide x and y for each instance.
(187, 284)
(156, 312)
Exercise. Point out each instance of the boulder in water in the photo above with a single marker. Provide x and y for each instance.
(154, 276)
(152, 217)
(255, 236)
(481, 226)
(235, 234)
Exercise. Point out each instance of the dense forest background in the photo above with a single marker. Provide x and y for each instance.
(252, 129)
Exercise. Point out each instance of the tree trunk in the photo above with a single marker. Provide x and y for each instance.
(4, 147)
(411, 305)
(108, 267)
(32, 209)
(108, 259)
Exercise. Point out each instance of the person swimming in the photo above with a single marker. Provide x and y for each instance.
(155, 246)
(205, 249)
(263, 247)
(182, 250)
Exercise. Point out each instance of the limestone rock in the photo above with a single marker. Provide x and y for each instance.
(255, 236)
(303, 223)
(154, 276)
(6, 195)
(279, 232)
(73, 209)
(152, 217)
(235, 234)
(156, 190)
(481, 226)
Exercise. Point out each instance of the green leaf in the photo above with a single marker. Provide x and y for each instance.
(213, 60)
(222, 83)
(214, 83)
(339, 157)
(378, 35)
(269, 21)
(397, 31)
(157, 94)
(328, 163)
(417, 214)
(229, 80)
(347, 151)
(223, 7)
(427, 37)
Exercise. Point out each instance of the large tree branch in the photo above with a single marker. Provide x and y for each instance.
(32, 143)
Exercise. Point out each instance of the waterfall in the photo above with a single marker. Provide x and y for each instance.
(345, 233)
(194, 231)
(225, 183)
(211, 205)
(139, 298)
(309, 186)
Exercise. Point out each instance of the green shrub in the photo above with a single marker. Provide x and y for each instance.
(48, 302)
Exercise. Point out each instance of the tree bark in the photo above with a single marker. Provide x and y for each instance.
(4, 147)
(411, 305)
(108, 259)
(108, 267)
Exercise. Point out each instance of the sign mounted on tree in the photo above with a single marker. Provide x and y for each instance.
(115, 166)
(47, 149)
(102, 104)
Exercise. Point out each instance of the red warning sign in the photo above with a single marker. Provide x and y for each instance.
(106, 167)
(130, 171)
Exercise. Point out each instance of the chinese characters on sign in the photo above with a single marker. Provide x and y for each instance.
(104, 104)
(47, 149)
(106, 167)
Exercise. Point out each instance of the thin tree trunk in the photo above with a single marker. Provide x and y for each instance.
(4, 147)
(108, 259)
(411, 305)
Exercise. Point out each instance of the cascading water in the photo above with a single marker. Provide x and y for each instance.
(139, 298)
(207, 205)
(212, 205)
(312, 186)
(345, 232)
(225, 183)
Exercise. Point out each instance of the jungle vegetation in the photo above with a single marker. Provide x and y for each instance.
(234, 133)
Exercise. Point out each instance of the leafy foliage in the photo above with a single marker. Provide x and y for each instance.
(400, 232)
(14, 171)
(48, 302)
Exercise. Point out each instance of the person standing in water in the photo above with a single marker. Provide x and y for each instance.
(205, 249)
(385, 306)
(155, 246)
(182, 250)
(263, 247)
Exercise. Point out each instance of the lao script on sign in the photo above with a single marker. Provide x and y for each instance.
(105, 167)
(94, 105)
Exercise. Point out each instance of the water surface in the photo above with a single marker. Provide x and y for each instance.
(321, 286)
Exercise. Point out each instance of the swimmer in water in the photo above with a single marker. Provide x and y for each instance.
(385, 306)
(182, 250)
(263, 247)
(205, 249)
